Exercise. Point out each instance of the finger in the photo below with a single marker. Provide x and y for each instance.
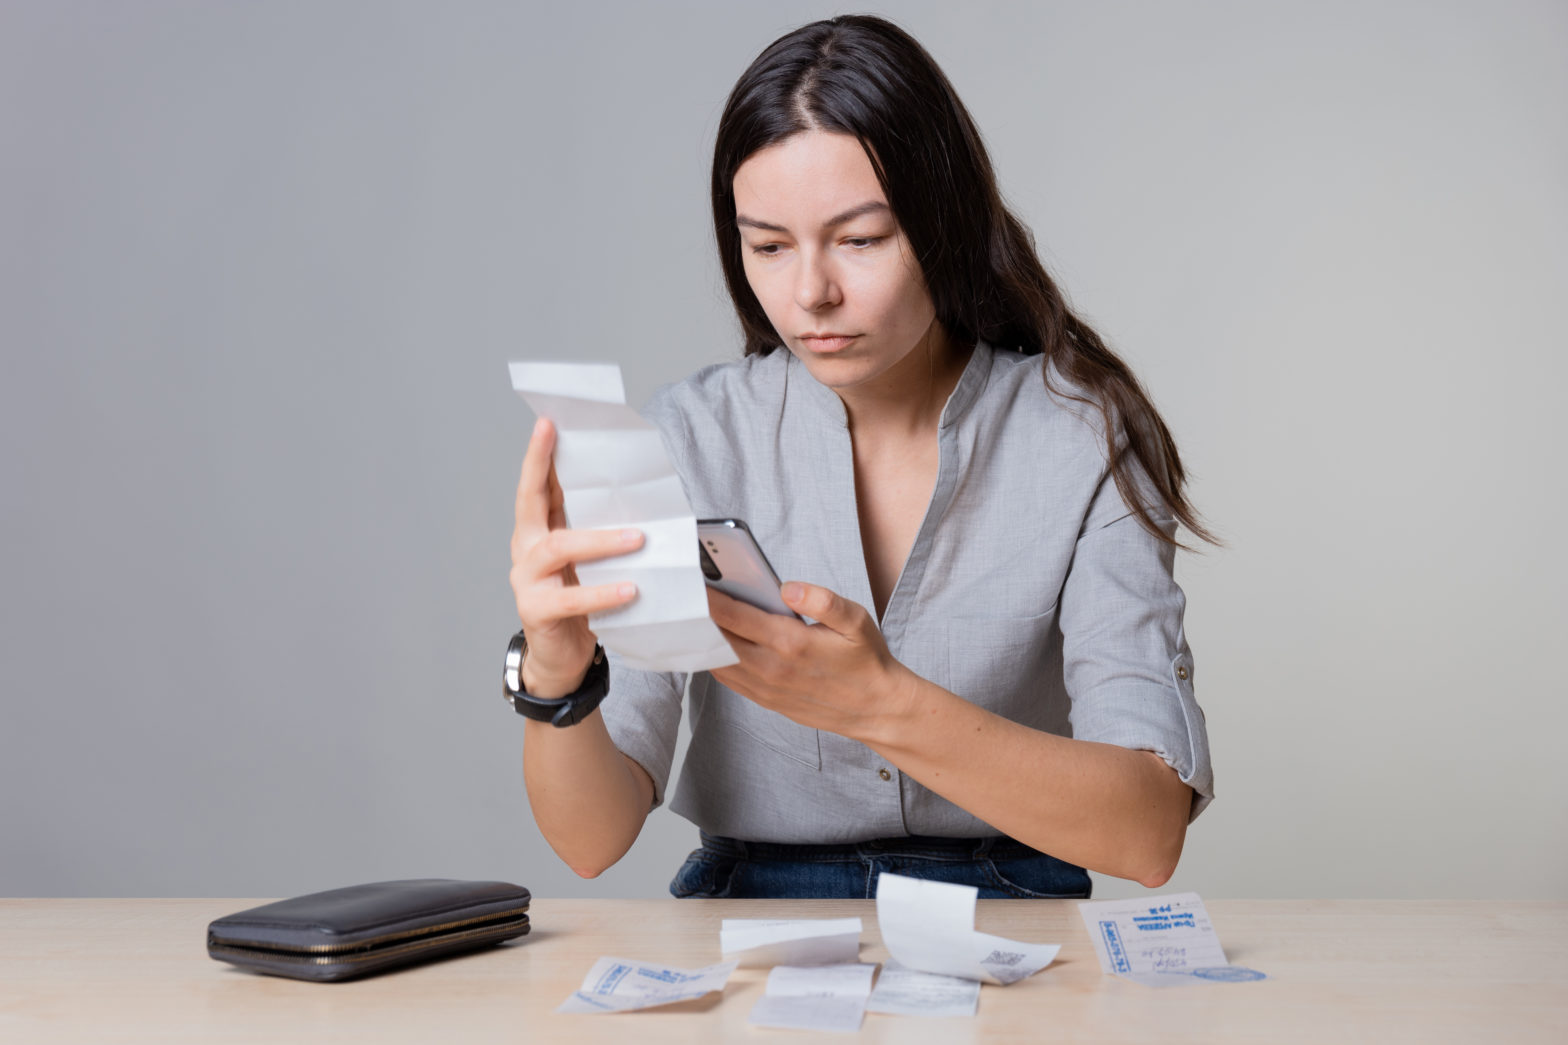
(732, 680)
(748, 651)
(543, 606)
(557, 515)
(743, 619)
(825, 606)
(533, 486)
(738, 677)
(558, 549)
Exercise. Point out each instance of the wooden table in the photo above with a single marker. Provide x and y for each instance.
(1340, 971)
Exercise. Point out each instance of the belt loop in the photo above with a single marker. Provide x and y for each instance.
(985, 846)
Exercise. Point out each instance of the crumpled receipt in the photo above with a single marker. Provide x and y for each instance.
(621, 985)
(930, 927)
(614, 473)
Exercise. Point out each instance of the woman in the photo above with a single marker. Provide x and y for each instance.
(965, 490)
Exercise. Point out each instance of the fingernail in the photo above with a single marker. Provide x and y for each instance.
(794, 591)
(626, 590)
(538, 426)
(630, 537)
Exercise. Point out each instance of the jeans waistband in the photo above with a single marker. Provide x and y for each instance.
(997, 847)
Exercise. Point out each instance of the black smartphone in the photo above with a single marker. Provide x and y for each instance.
(732, 562)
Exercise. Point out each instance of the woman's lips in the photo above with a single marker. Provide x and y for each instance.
(828, 344)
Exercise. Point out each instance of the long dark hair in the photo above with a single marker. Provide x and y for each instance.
(861, 75)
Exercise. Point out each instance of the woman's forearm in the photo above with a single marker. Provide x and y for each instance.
(589, 800)
(1107, 808)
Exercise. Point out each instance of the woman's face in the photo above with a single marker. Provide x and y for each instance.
(831, 266)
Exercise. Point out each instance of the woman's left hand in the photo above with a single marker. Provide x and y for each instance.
(836, 674)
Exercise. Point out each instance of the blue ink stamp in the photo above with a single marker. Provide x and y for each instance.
(1114, 948)
(1229, 974)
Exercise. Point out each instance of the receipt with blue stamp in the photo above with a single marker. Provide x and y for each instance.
(622, 984)
(1160, 941)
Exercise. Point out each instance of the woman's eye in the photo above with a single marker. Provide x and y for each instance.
(770, 250)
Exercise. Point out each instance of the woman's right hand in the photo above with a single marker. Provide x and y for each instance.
(552, 606)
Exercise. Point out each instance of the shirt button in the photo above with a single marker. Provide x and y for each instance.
(1181, 672)
(884, 774)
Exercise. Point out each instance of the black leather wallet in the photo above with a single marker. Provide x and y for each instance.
(344, 933)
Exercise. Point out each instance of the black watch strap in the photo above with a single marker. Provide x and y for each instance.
(561, 711)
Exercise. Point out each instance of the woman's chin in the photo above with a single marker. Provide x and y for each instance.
(836, 371)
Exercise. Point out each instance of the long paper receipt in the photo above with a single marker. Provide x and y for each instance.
(905, 992)
(1160, 941)
(790, 941)
(614, 473)
(816, 997)
(930, 927)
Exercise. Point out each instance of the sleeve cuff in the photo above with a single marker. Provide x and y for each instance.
(1164, 720)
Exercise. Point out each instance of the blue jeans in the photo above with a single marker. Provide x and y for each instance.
(1000, 867)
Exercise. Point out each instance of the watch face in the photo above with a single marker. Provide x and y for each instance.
(512, 676)
(560, 711)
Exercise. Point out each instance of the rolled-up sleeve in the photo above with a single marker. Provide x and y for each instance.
(643, 715)
(1126, 664)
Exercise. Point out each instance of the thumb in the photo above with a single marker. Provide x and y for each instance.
(825, 606)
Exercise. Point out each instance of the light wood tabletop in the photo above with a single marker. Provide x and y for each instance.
(1339, 971)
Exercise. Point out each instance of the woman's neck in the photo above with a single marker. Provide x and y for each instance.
(908, 399)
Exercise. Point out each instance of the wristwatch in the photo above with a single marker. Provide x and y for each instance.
(561, 711)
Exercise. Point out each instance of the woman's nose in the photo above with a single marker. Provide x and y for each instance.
(816, 287)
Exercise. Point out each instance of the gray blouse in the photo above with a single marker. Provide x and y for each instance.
(1031, 590)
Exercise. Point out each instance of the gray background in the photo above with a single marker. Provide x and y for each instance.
(262, 267)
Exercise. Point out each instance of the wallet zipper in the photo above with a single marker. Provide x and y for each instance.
(377, 947)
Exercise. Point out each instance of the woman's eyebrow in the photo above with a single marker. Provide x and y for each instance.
(838, 219)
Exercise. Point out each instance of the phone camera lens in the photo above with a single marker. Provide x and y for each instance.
(710, 570)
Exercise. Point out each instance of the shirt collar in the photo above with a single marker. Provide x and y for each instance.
(821, 398)
(970, 383)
